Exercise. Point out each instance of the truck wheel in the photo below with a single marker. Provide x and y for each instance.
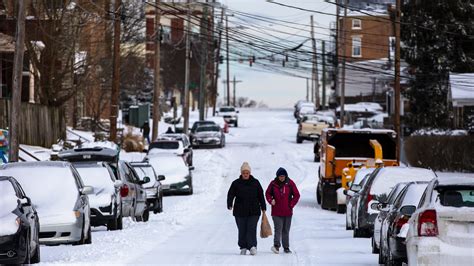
(316, 158)
(299, 139)
(318, 195)
(341, 208)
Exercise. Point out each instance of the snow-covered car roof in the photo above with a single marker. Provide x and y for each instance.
(172, 136)
(173, 168)
(388, 177)
(89, 154)
(455, 181)
(36, 164)
(166, 146)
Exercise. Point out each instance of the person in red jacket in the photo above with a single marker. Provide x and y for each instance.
(283, 195)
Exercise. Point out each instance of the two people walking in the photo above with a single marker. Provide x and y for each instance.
(282, 194)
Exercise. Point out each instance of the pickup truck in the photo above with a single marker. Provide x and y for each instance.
(311, 126)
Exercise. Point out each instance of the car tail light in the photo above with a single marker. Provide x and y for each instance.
(124, 191)
(370, 197)
(401, 221)
(427, 223)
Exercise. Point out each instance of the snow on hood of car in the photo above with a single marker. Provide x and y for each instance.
(8, 203)
(172, 167)
(98, 178)
(204, 134)
(52, 190)
(388, 177)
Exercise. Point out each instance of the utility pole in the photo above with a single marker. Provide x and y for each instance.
(324, 74)
(336, 57)
(203, 65)
(234, 82)
(227, 57)
(307, 89)
(157, 72)
(216, 76)
(186, 76)
(397, 76)
(343, 84)
(114, 102)
(17, 84)
(315, 66)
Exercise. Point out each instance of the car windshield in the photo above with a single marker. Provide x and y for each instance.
(227, 109)
(53, 190)
(167, 145)
(457, 197)
(98, 177)
(207, 129)
(143, 171)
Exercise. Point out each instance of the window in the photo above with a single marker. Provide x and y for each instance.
(356, 47)
(356, 24)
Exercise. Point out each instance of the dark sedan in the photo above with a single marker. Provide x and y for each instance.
(392, 242)
(19, 231)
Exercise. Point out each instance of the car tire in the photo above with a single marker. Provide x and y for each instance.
(146, 215)
(160, 204)
(348, 227)
(316, 158)
(37, 256)
(236, 124)
(299, 140)
(28, 247)
(120, 220)
(341, 208)
(357, 233)
(391, 261)
(318, 195)
(89, 236)
(375, 250)
(190, 192)
(112, 224)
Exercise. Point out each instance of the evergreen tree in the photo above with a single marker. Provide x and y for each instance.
(437, 38)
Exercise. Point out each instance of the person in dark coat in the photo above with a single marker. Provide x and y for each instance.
(247, 207)
(283, 195)
(146, 131)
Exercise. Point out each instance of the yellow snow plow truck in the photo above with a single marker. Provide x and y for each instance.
(342, 152)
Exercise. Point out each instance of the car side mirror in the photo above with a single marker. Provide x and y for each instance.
(408, 210)
(145, 180)
(186, 150)
(237, 111)
(87, 190)
(118, 183)
(161, 177)
(191, 168)
(25, 201)
(345, 192)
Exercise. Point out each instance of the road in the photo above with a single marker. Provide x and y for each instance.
(198, 229)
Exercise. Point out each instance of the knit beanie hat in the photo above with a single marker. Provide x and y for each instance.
(281, 171)
(245, 167)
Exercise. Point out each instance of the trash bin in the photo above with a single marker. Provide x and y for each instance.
(138, 114)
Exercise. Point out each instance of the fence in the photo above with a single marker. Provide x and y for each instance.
(39, 125)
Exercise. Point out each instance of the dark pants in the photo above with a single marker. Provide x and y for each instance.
(282, 226)
(147, 137)
(247, 231)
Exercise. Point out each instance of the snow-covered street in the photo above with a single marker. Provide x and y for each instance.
(198, 229)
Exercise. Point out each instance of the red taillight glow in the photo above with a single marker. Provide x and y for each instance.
(427, 223)
(401, 221)
(369, 198)
(124, 191)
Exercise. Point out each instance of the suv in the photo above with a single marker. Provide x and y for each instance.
(187, 147)
(132, 193)
(230, 115)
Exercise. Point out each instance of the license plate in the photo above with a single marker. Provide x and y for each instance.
(166, 186)
(206, 140)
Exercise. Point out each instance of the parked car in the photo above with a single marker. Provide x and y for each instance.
(178, 174)
(440, 231)
(352, 194)
(60, 198)
(310, 128)
(384, 208)
(230, 115)
(153, 188)
(209, 135)
(392, 238)
(304, 110)
(201, 123)
(187, 148)
(132, 193)
(19, 231)
(298, 105)
(170, 146)
(106, 202)
(376, 189)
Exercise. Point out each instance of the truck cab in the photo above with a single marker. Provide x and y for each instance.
(340, 148)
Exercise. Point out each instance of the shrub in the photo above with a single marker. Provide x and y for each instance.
(441, 153)
(132, 143)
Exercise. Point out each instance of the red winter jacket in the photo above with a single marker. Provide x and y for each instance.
(284, 202)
